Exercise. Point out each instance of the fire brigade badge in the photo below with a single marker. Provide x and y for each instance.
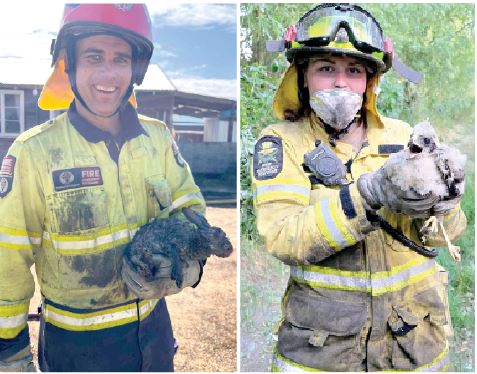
(6, 175)
(268, 158)
(124, 7)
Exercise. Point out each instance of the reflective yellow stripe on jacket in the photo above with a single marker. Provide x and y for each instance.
(330, 224)
(282, 189)
(13, 319)
(85, 244)
(113, 317)
(376, 283)
(18, 239)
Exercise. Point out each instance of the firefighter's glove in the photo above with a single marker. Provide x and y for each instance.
(162, 284)
(21, 361)
(325, 165)
(377, 191)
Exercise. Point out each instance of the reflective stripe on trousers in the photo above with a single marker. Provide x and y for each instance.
(280, 363)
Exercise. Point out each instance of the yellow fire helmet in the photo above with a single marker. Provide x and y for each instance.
(128, 21)
(336, 29)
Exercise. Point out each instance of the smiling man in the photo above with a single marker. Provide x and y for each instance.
(73, 193)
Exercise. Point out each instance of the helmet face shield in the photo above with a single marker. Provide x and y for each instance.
(326, 24)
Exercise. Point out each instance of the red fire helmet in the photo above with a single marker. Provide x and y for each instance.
(128, 21)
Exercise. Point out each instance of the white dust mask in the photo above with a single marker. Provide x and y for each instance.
(337, 107)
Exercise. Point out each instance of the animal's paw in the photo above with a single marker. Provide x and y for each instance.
(430, 226)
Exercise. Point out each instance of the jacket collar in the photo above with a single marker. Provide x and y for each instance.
(130, 125)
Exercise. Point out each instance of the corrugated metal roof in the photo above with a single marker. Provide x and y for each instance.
(156, 80)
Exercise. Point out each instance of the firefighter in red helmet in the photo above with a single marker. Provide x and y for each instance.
(75, 190)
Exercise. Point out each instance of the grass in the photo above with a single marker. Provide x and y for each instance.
(263, 280)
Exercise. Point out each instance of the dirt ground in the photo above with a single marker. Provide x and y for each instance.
(204, 319)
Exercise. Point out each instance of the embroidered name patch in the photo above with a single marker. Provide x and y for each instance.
(77, 177)
(268, 158)
(6, 175)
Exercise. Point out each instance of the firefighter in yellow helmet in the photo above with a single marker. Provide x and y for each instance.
(73, 192)
(357, 299)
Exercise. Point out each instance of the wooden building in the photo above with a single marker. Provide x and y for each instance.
(21, 81)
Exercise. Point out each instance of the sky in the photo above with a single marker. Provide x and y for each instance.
(194, 43)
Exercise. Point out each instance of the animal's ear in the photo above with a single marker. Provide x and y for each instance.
(196, 218)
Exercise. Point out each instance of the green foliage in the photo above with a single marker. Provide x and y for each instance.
(438, 41)
(257, 84)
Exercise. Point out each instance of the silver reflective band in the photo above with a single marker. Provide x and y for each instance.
(387, 282)
(12, 322)
(330, 224)
(377, 283)
(89, 321)
(342, 282)
(179, 202)
(85, 244)
(19, 239)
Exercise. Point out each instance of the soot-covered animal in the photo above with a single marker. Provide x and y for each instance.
(178, 240)
(429, 167)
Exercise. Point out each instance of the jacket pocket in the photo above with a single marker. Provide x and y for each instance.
(419, 329)
(159, 195)
(77, 210)
(86, 255)
(323, 333)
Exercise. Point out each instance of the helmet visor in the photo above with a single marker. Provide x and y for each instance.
(320, 26)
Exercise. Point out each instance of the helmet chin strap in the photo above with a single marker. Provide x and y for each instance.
(334, 134)
(78, 96)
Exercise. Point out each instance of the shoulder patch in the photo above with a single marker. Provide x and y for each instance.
(6, 175)
(268, 158)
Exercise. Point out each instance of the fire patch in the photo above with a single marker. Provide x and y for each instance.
(268, 158)
(6, 175)
(78, 177)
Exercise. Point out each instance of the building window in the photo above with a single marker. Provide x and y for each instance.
(12, 112)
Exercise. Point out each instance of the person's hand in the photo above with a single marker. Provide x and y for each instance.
(162, 284)
(378, 191)
(22, 361)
